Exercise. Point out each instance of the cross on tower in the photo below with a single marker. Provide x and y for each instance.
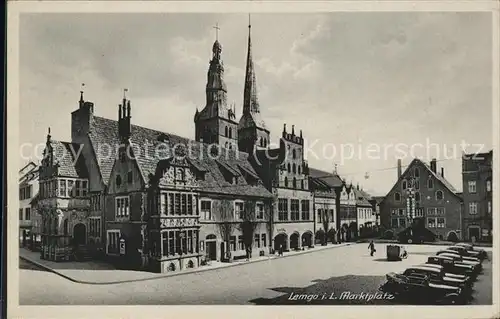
(216, 27)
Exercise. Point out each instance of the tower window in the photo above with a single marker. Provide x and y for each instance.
(294, 154)
(286, 182)
(294, 182)
(288, 168)
(230, 132)
(261, 142)
(298, 169)
(293, 168)
(226, 132)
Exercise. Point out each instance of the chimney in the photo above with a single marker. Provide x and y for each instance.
(124, 125)
(81, 120)
(433, 165)
(399, 168)
(442, 171)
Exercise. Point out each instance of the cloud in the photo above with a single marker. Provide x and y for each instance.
(340, 77)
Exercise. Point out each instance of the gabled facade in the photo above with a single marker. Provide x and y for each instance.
(366, 218)
(437, 205)
(324, 209)
(348, 214)
(477, 217)
(63, 200)
(28, 189)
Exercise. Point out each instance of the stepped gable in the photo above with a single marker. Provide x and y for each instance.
(198, 155)
(65, 157)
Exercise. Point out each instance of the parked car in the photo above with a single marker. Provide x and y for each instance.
(481, 253)
(461, 253)
(457, 258)
(451, 265)
(417, 287)
(464, 281)
(416, 235)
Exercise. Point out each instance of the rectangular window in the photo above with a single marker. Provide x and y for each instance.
(320, 215)
(20, 214)
(419, 212)
(113, 241)
(257, 240)
(489, 207)
(394, 212)
(177, 210)
(184, 245)
(184, 204)
(241, 245)
(394, 223)
(260, 211)
(78, 189)
(28, 213)
(232, 243)
(164, 239)
(431, 222)
(84, 188)
(62, 188)
(71, 188)
(402, 212)
(206, 209)
(431, 211)
(441, 223)
(171, 243)
(473, 208)
(282, 209)
(171, 209)
(331, 215)
(402, 222)
(122, 206)
(440, 211)
(129, 177)
(190, 204)
(472, 186)
(305, 210)
(488, 186)
(294, 203)
(239, 210)
(264, 244)
(163, 204)
(190, 241)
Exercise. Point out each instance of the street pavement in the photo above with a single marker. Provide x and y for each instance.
(325, 273)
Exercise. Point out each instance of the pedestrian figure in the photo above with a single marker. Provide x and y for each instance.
(280, 251)
(371, 246)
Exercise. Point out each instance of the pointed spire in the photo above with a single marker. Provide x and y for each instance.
(293, 130)
(48, 135)
(250, 99)
(284, 128)
(81, 95)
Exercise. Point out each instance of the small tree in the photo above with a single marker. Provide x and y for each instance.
(223, 212)
(248, 225)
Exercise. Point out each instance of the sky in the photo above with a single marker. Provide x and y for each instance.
(361, 86)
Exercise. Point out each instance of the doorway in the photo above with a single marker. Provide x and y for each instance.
(211, 247)
(79, 234)
(474, 231)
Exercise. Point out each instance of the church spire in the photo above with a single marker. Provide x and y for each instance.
(250, 100)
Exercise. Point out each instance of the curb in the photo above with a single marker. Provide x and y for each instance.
(198, 270)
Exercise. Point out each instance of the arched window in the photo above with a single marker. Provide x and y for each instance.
(286, 182)
(397, 196)
(302, 184)
(488, 185)
(404, 184)
(230, 132)
(288, 168)
(190, 264)
(298, 169)
(226, 132)
(430, 183)
(294, 154)
(439, 195)
(265, 142)
(294, 182)
(294, 168)
(417, 196)
(416, 172)
(261, 142)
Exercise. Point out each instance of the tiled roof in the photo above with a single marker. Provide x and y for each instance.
(439, 177)
(360, 198)
(105, 131)
(65, 156)
(332, 180)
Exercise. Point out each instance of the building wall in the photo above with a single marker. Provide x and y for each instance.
(394, 209)
(323, 203)
(478, 171)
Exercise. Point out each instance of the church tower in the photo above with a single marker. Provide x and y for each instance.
(216, 122)
(252, 131)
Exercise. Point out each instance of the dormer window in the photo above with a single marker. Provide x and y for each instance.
(416, 172)
(439, 195)
(397, 196)
(404, 184)
(430, 183)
